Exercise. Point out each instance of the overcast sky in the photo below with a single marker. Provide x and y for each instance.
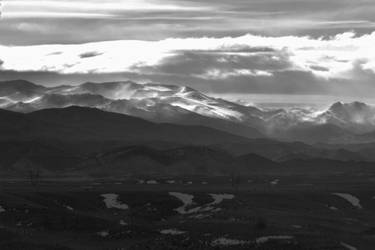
(292, 47)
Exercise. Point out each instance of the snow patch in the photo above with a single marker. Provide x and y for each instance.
(347, 246)
(205, 106)
(275, 182)
(171, 182)
(228, 242)
(123, 223)
(186, 199)
(350, 198)
(264, 239)
(151, 182)
(172, 231)
(2, 210)
(219, 198)
(103, 234)
(111, 201)
(69, 208)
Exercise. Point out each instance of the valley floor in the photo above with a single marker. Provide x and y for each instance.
(257, 212)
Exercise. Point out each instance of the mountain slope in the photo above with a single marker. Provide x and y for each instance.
(20, 90)
(87, 124)
(154, 102)
(141, 160)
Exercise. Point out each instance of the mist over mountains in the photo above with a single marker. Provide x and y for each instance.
(340, 123)
(100, 129)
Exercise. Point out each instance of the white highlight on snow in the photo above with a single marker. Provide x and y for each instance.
(156, 88)
(350, 198)
(264, 239)
(228, 242)
(172, 231)
(111, 201)
(171, 182)
(33, 99)
(2, 210)
(347, 246)
(333, 208)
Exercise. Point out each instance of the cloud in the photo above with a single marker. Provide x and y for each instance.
(249, 63)
(79, 21)
(191, 55)
(91, 6)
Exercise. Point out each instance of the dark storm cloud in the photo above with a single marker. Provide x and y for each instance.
(287, 82)
(89, 54)
(319, 68)
(189, 68)
(199, 62)
(291, 82)
(55, 79)
(49, 30)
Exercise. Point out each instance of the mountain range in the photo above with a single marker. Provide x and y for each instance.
(339, 123)
(82, 141)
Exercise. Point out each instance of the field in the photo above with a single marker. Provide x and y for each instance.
(256, 212)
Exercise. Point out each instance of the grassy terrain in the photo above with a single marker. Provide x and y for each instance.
(72, 214)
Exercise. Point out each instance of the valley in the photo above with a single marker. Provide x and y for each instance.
(172, 168)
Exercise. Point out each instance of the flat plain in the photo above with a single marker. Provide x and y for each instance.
(196, 212)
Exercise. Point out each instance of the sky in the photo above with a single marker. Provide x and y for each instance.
(287, 48)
